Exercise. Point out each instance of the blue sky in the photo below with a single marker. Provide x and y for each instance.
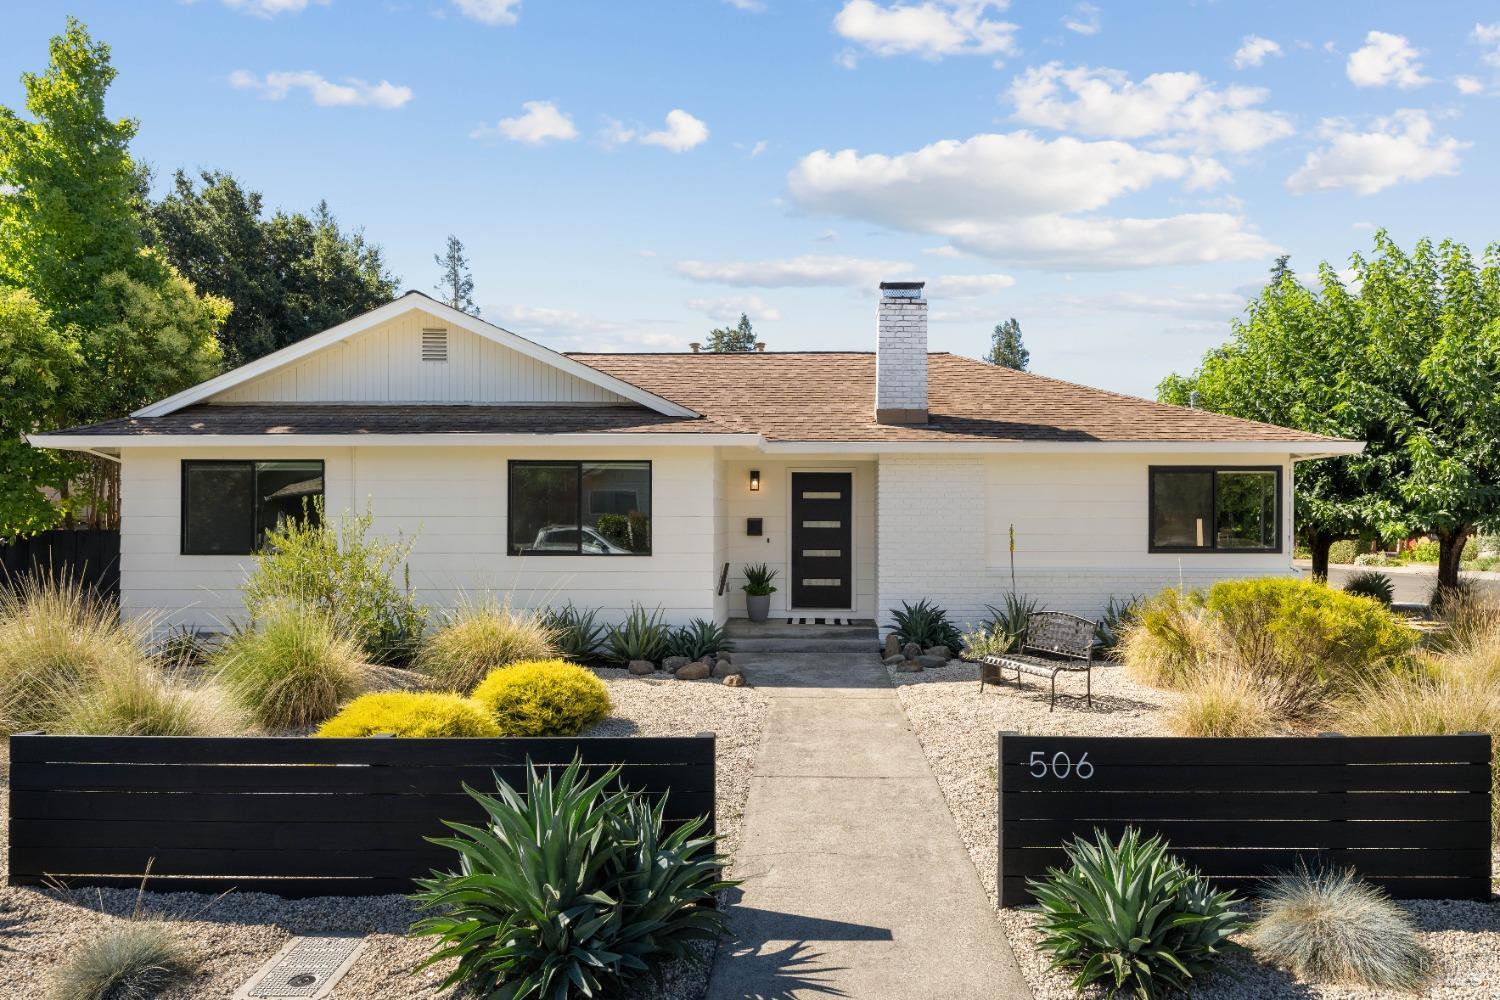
(628, 175)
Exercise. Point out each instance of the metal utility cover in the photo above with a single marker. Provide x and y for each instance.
(306, 968)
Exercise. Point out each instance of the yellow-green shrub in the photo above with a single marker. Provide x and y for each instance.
(411, 713)
(1223, 702)
(478, 637)
(291, 669)
(543, 698)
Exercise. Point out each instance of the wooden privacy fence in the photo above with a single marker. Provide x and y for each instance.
(291, 816)
(90, 558)
(1409, 813)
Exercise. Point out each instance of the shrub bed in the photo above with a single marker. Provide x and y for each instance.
(420, 714)
(543, 698)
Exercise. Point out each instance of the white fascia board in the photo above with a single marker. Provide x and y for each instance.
(1295, 449)
(409, 303)
(78, 442)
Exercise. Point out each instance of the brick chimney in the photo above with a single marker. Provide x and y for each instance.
(901, 354)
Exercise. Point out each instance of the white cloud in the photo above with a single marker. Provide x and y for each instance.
(1468, 85)
(1187, 305)
(1488, 35)
(806, 271)
(493, 12)
(944, 251)
(758, 148)
(1019, 198)
(615, 133)
(968, 286)
(682, 133)
(727, 310)
(1254, 50)
(752, 6)
(932, 29)
(1401, 147)
(1176, 109)
(1384, 60)
(540, 123)
(270, 8)
(1084, 19)
(570, 330)
(846, 59)
(353, 92)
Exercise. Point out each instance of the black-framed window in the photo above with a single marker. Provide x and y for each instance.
(1215, 509)
(229, 506)
(580, 508)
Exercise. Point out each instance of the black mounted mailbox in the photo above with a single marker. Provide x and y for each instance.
(752, 526)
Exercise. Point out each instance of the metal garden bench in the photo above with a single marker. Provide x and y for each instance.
(1055, 643)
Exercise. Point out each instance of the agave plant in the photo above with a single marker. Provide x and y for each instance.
(1118, 613)
(575, 631)
(1129, 917)
(698, 639)
(1369, 583)
(1012, 618)
(570, 889)
(925, 624)
(641, 636)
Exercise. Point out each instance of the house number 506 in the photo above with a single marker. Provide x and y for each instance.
(1061, 765)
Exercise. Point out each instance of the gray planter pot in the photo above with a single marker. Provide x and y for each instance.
(758, 606)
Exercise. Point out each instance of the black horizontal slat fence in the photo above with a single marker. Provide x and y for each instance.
(292, 816)
(1409, 813)
(88, 558)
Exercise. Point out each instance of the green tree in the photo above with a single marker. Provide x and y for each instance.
(1406, 358)
(1006, 348)
(117, 325)
(737, 339)
(289, 276)
(456, 286)
(39, 366)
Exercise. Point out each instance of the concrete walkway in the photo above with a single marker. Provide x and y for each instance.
(857, 883)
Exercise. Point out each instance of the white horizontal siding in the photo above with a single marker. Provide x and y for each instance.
(384, 365)
(451, 502)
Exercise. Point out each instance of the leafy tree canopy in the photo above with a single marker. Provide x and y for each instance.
(1006, 348)
(289, 275)
(737, 339)
(1405, 357)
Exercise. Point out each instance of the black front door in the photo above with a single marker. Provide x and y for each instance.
(822, 540)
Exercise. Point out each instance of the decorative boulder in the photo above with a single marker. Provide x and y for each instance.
(893, 645)
(910, 667)
(673, 662)
(928, 662)
(911, 651)
(735, 681)
(725, 669)
(725, 656)
(641, 667)
(891, 661)
(692, 672)
(943, 651)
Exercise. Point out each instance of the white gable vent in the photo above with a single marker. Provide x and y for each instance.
(434, 345)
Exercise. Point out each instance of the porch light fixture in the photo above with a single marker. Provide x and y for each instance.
(754, 480)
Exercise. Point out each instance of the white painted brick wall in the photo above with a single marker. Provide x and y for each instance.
(941, 537)
(901, 354)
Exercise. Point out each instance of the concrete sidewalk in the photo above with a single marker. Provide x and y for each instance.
(857, 883)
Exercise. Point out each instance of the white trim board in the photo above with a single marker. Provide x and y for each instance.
(411, 302)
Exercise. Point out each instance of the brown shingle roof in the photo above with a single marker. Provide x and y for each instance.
(812, 396)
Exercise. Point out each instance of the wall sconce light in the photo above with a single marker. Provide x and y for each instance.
(754, 480)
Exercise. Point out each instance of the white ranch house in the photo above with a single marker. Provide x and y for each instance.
(866, 479)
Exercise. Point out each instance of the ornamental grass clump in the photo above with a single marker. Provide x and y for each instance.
(573, 888)
(1331, 927)
(144, 700)
(1223, 701)
(420, 714)
(543, 698)
(1129, 917)
(291, 669)
(477, 637)
(1167, 641)
(133, 960)
(57, 638)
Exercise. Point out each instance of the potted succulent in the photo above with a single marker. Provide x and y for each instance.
(758, 591)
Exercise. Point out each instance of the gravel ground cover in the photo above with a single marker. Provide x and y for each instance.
(234, 935)
(957, 728)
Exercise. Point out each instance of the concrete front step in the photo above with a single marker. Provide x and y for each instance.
(777, 628)
(774, 644)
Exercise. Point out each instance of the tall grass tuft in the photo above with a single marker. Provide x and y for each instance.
(143, 700)
(1222, 701)
(134, 960)
(292, 669)
(480, 636)
(1331, 927)
(1167, 641)
(57, 637)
